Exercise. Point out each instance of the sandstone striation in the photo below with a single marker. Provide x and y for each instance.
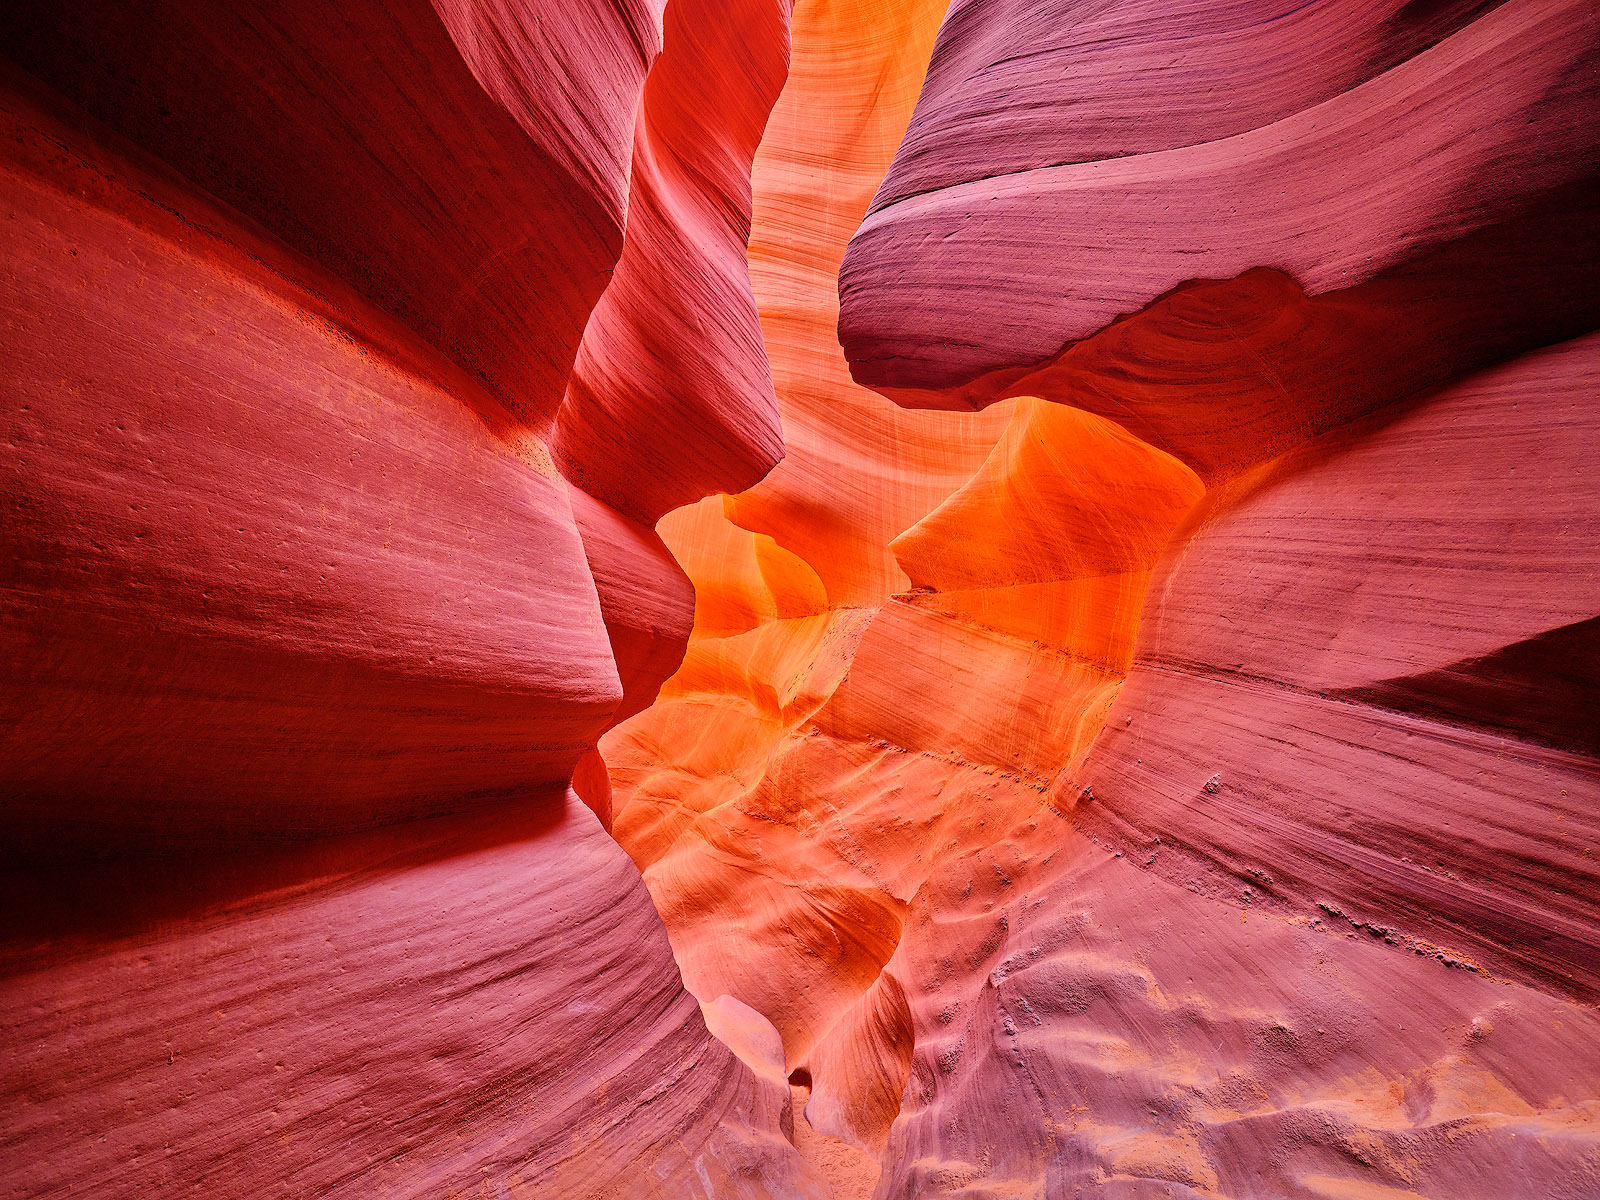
(310, 630)
(237, 534)
(1193, 766)
(637, 600)
(399, 1013)
(671, 398)
(905, 631)
(420, 153)
(1341, 720)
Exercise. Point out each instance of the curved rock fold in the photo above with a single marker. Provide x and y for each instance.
(800, 598)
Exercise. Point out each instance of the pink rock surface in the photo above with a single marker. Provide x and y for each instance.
(1322, 642)
(1089, 73)
(1178, 778)
(997, 271)
(245, 538)
(1086, 1028)
(398, 1014)
(645, 598)
(1337, 832)
(307, 639)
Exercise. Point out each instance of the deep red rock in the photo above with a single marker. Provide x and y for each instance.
(422, 153)
(305, 633)
(397, 1014)
(646, 600)
(1179, 778)
(266, 573)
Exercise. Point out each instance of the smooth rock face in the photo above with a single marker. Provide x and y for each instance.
(1367, 756)
(671, 397)
(424, 154)
(831, 737)
(1083, 90)
(988, 270)
(243, 540)
(646, 600)
(307, 637)
(397, 1014)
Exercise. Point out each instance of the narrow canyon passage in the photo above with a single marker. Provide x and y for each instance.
(871, 599)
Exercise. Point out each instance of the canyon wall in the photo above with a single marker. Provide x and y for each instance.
(313, 615)
(649, 598)
(1158, 758)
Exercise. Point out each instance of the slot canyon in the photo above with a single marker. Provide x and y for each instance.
(800, 599)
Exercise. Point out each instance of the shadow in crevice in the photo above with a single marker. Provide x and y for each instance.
(1228, 373)
(1545, 689)
(51, 909)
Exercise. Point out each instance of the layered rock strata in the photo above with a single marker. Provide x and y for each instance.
(1138, 741)
(308, 634)
(1181, 784)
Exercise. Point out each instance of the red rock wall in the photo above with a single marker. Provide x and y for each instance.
(421, 155)
(1183, 783)
(233, 510)
(1340, 818)
(907, 628)
(400, 1014)
(305, 632)
(1138, 741)
(1373, 184)
(671, 398)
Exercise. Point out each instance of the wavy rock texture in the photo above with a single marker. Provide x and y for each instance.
(227, 551)
(1350, 189)
(1177, 779)
(1138, 741)
(671, 397)
(420, 153)
(784, 800)
(305, 631)
(398, 1014)
(1339, 819)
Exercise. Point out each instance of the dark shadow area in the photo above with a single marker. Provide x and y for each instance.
(54, 907)
(1545, 689)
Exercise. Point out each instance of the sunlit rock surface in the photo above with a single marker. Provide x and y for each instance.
(1175, 777)
(671, 397)
(901, 634)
